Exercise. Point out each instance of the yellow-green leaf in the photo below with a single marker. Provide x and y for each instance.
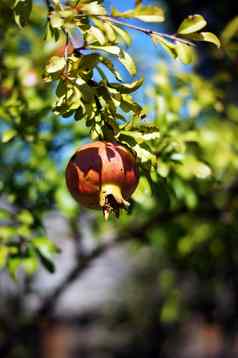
(108, 63)
(109, 31)
(123, 34)
(141, 137)
(30, 264)
(114, 50)
(3, 255)
(93, 8)
(144, 154)
(56, 21)
(167, 45)
(8, 135)
(97, 34)
(143, 13)
(230, 30)
(192, 23)
(185, 52)
(55, 64)
(206, 36)
(128, 62)
(25, 217)
(127, 87)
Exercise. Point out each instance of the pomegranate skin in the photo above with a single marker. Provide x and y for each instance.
(99, 170)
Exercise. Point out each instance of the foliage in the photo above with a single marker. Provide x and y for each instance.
(174, 149)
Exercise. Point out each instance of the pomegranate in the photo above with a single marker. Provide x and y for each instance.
(60, 51)
(102, 175)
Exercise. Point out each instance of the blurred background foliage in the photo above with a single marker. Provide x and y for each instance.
(181, 298)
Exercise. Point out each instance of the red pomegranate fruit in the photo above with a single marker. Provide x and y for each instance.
(102, 175)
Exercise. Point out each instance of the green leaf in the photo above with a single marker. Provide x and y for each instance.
(206, 36)
(109, 31)
(143, 13)
(13, 265)
(114, 50)
(167, 45)
(30, 264)
(144, 154)
(22, 10)
(7, 232)
(25, 217)
(230, 30)
(123, 34)
(8, 135)
(185, 53)
(46, 262)
(46, 247)
(192, 23)
(4, 214)
(108, 63)
(78, 114)
(127, 87)
(93, 8)
(55, 64)
(61, 88)
(87, 62)
(127, 104)
(3, 256)
(141, 137)
(128, 62)
(24, 231)
(56, 21)
(97, 34)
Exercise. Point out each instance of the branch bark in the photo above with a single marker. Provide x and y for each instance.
(135, 233)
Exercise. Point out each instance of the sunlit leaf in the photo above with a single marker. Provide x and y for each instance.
(25, 217)
(144, 154)
(8, 135)
(206, 36)
(98, 34)
(56, 21)
(166, 44)
(127, 87)
(30, 264)
(192, 23)
(46, 247)
(185, 52)
(143, 13)
(123, 34)
(55, 64)
(108, 63)
(128, 62)
(93, 8)
(231, 29)
(114, 50)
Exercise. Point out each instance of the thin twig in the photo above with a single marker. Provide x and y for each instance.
(146, 31)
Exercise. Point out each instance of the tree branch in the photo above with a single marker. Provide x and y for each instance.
(138, 233)
(135, 233)
(146, 31)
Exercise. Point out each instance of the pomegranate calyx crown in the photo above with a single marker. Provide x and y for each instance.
(111, 200)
